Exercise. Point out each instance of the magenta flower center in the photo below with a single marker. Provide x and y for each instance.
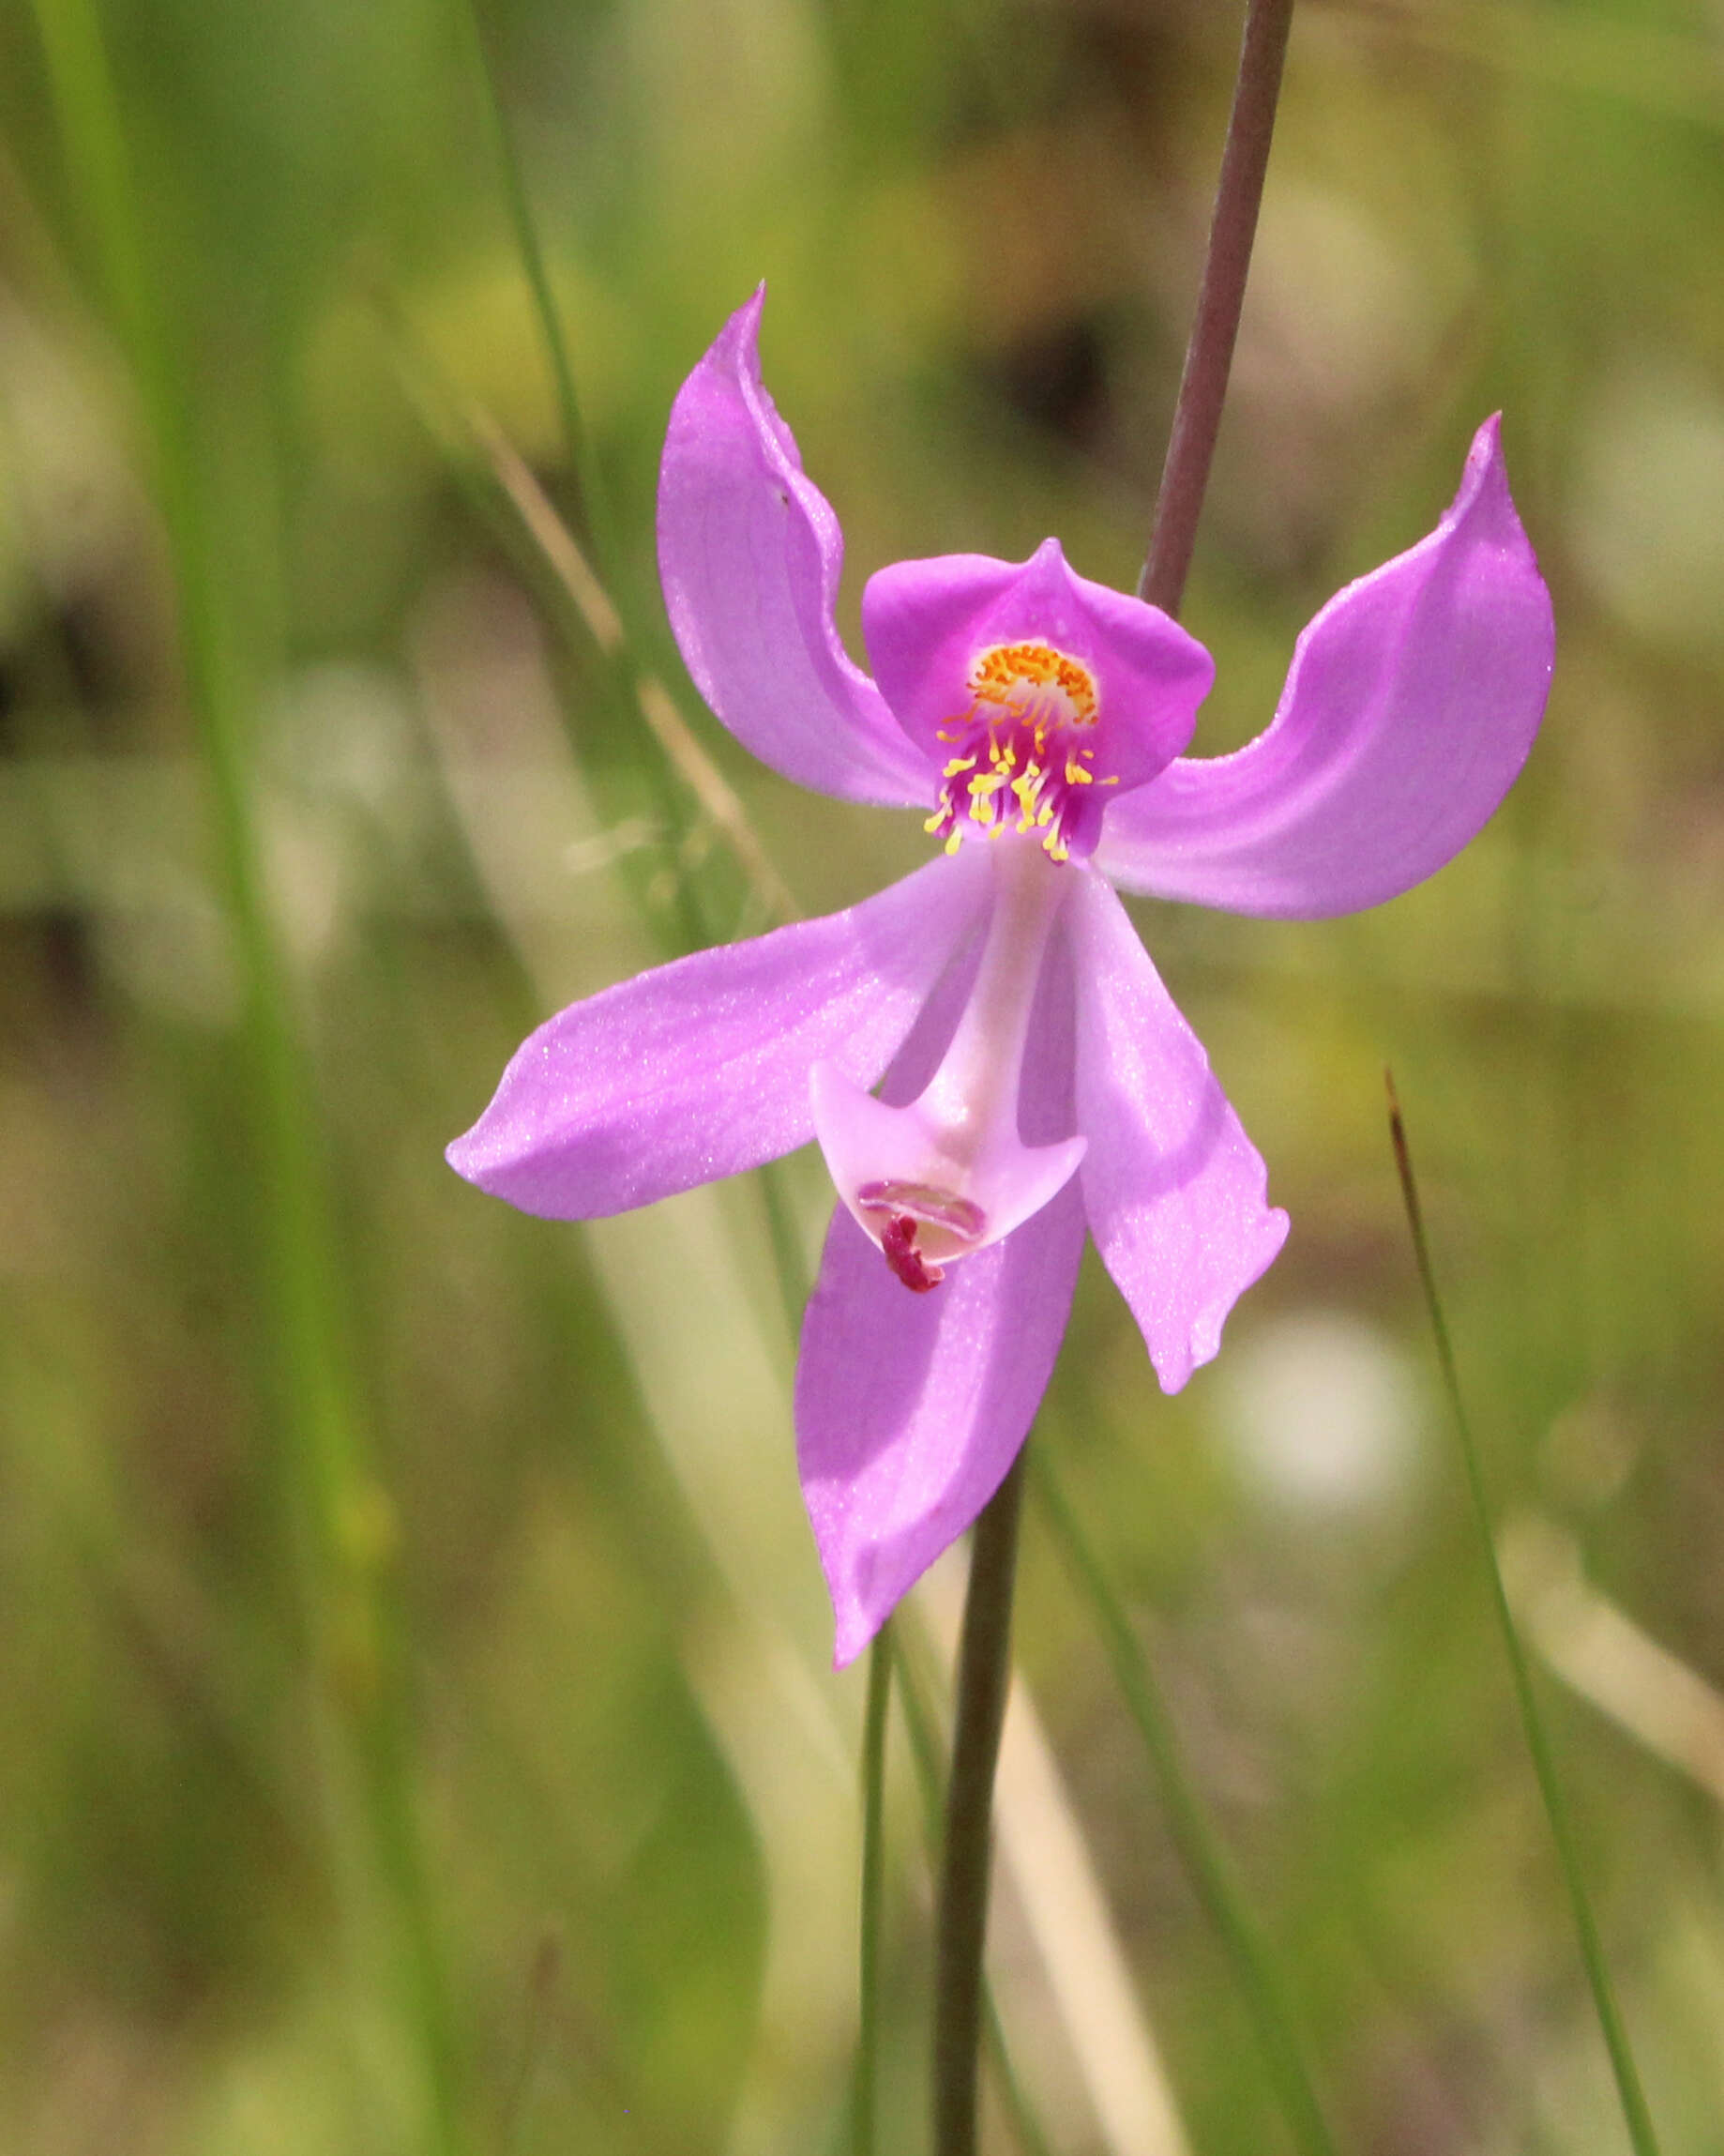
(1024, 750)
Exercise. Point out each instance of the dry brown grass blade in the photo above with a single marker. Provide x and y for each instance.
(592, 601)
(1600, 1652)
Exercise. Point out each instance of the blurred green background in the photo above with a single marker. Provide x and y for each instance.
(415, 1731)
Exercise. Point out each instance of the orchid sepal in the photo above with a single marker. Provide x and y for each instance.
(749, 554)
(1412, 701)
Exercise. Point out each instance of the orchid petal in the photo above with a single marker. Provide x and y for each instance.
(1410, 706)
(700, 1068)
(750, 553)
(925, 622)
(1173, 1187)
(910, 1408)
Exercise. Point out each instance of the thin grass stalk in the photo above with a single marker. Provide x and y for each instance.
(339, 1534)
(1201, 1850)
(561, 549)
(623, 680)
(1634, 2106)
(589, 512)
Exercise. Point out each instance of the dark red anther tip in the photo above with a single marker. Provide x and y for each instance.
(898, 1244)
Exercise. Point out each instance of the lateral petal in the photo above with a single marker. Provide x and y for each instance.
(1412, 704)
(750, 554)
(1173, 1187)
(700, 1069)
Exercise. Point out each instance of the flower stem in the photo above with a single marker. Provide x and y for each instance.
(1628, 2089)
(873, 1877)
(339, 1527)
(1205, 1859)
(1202, 386)
(984, 1671)
(931, 1773)
(984, 1657)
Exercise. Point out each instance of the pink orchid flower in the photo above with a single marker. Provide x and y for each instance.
(1034, 1077)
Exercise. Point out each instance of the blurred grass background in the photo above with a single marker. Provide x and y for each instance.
(414, 1724)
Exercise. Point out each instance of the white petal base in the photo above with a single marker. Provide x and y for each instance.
(895, 1163)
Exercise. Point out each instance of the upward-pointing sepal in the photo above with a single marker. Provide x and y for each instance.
(1411, 703)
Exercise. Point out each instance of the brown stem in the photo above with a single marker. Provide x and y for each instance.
(1202, 386)
(984, 1656)
(984, 1674)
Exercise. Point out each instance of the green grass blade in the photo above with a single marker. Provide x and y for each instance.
(1205, 1859)
(341, 1529)
(1635, 2111)
(589, 505)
